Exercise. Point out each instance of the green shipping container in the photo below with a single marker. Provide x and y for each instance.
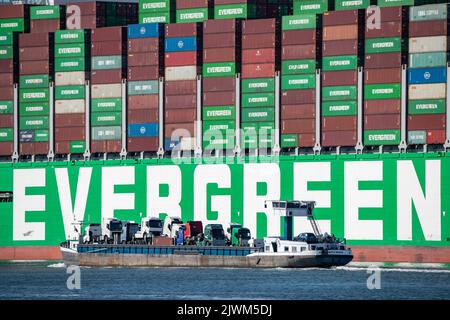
(428, 12)
(33, 95)
(258, 85)
(106, 133)
(417, 137)
(305, 21)
(382, 91)
(383, 45)
(219, 113)
(34, 109)
(44, 12)
(266, 140)
(41, 136)
(6, 52)
(310, 6)
(70, 64)
(395, 3)
(106, 119)
(106, 105)
(266, 126)
(222, 126)
(155, 5)
(6, 107)
(338, 63)
(427, 60)
(426, 106)
(339, 93)
(70, 92)
(235, 11)
(34, 81)
(289, 140)
(68, 50)
(6, 134)
(298, 67)
(12, 25)
(32, 123)
(143, 87)
(227, 142)
(69, 36)
(381, 137)
(298, 81)
(6, 38)
(258, 100)
(77, 146)
(258, 115)
(193, 15)
(219, 69)
(339, 108)
(159, 17)
(351, 4)
(106, 62)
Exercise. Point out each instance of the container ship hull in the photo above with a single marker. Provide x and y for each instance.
(388, 207)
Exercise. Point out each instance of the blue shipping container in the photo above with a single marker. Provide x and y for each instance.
(145, 30)
(143, 130)
(181, 44)
(428, 75)
(170, 144)
(26, 135)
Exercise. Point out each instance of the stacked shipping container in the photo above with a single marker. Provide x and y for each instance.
(182, 60)
(298, 83)
(221, 62)
(157, 11)
(260, 58)
(72, 66)
(47, 19)
(239, 9)
(312, 6)
(384, 49)
(427, 74)
(36, 71)
(341, 50)
(144, 68)
(194, 10)
(108, 64)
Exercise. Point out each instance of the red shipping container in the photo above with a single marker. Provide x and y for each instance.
(290, 97)
(175, 30)
(292, 37)
(427, 28)
(387, 29)
(343, 123)
(266, 70)
(391, 75)
(143, 45)
(222, 40)
(224, 98)
(381, 122)
(219, 26)
(219, 84)
(172, 88)
(107, 34)
(70, 120)
(6, 79)
(383, 60)
(143, 73)
(36, 148)
(143, 102)
(143, 116)
(114, 146)
(219, 55)
(298, 52)
(45, 25)
(34, 40)
(6, 93)
(258, 41)
(180, 115)
(34, 67)
(339, 138)
(436, 136)
(388, 14)
(385, 106)
(181, 101)
(143, 144)
(26, 148)
(143, 59)
(6, 148)
(6, 65)
(106, 48)
(186, 130)
(306, 140)
(427, 122)
(300, 111)
(347, 32)
(10, 11)
(258, 56)
(298, 126)
(340, 78)
(34, 53)
(177, 59)
(256, 26)
(106, 76)
(62, 147)
(6, 121)
(340, 48)
(345, 17)
(70, 134)
(191, 4)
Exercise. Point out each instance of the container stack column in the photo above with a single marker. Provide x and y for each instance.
(221, 62)
(108, 64)
(427, 76)
(157, 11)
(182, 62)
(145, 64)
(260, 58)
(298, 68)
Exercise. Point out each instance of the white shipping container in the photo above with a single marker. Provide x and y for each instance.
(99, 91)
(428, 44)
(69, 106)
(181, 73)
(75, 78)
(427, 91)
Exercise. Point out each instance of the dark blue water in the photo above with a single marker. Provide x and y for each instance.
(47, 280)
